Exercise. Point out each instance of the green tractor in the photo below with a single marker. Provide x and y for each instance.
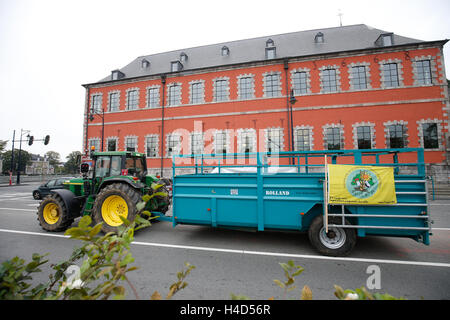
(117, 183)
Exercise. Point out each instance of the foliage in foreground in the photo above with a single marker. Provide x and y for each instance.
(291, 271)
(105, 265)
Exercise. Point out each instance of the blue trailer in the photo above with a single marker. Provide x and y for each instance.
(253, 193)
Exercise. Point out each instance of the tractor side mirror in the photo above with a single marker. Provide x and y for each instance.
(84, 168)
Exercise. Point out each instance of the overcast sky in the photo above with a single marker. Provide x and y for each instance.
(48, 49)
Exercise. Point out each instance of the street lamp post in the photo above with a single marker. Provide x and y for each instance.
(102, 115)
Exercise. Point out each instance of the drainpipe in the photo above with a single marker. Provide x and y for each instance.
(163, 82)
(289, 120)
(87, 121)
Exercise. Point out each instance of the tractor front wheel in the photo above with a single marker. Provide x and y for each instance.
(115, 201)
(53, 214)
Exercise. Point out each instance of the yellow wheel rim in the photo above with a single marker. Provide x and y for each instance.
(113, 208)
(51, 213)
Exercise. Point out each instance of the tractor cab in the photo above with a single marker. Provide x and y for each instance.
(117, 165)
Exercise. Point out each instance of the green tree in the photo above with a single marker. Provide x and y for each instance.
(25, 159)
(2, 145)
(54, 158)
(71, 165)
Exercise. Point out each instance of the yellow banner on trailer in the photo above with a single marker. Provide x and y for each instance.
(363, 185)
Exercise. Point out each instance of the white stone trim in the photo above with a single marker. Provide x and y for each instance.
(399, 72)
(341, 133)
(247, 75)
(368, 75)
(405, 132)
(227, 80)
(438, 122)
(155, 86)
(109, 101)
(98, 142)
(372, 133)
(338, 77)
(308, 80)
(311, 136)
(202, 99)
(91, 104)
(434, 75)
(157, 144)
(125, 142)
(272, 73)
(112, 138)
(126, 98)
(172, 84)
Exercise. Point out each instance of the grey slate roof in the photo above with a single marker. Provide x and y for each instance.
(295, 44)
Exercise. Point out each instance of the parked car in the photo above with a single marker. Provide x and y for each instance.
(45, 189)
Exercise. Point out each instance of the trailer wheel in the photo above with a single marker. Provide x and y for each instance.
(112, 202)
(53, 214)
(337, 242)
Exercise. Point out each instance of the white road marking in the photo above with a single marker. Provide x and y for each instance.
(17, 209)
(17, 198)
(261, 253)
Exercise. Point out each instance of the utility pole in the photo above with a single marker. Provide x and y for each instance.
(20, 153)
(12, 159)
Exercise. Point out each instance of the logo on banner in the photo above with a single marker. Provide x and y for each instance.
(362, 184)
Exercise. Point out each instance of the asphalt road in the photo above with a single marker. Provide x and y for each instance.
(242, 262)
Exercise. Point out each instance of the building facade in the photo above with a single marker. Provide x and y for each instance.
(351, 87)
(39, 165)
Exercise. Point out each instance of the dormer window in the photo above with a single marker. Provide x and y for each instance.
(176, 66)
(116, 75)
(385, 40)
(271, 50)
(225, 51)
(319, 38)
(145, 64)
(183, 57)
(269, 43)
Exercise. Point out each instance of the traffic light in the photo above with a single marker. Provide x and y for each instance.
(47, 139)
(30, 140)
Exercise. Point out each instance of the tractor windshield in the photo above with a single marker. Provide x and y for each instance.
(102, 166)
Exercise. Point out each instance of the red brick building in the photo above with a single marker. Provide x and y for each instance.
(355, 87)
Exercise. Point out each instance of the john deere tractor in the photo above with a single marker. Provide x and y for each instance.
(117, 182)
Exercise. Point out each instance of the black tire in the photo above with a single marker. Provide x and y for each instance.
(37, 195)
(114, 200)
(339, 242)
(53, 214)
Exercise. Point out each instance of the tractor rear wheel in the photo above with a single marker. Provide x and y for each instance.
(115, 201)
(53, 214)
